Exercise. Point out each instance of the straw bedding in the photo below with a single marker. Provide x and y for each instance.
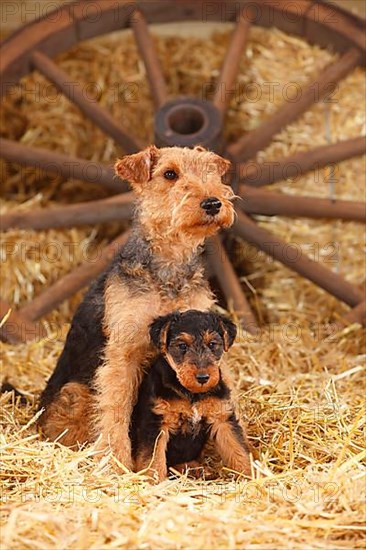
(300, 382)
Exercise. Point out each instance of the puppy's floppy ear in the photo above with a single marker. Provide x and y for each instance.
(228, 331)
(159, 330)
(137, 168)
(222, 165)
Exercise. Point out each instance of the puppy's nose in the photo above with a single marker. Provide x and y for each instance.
(211, 205)
(202, 378)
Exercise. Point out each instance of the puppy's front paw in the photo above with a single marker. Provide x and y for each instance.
(157, 475)
(194, 469)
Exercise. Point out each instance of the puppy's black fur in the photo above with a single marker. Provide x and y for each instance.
(161, 383)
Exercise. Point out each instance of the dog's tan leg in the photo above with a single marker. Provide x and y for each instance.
(232, 445)
(227, 434)
(126, 323)
(71, 410)
(117, 382)
(154, 460)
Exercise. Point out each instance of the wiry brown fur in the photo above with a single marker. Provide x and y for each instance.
(159, 270)
(169, 212)
(69, 414)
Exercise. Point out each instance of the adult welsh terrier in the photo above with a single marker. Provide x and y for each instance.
(181, 200)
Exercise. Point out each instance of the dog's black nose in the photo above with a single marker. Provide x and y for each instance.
(202, 378)
(211, 206)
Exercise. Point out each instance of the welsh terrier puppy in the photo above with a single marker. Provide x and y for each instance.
(184, 399)
(181, 200)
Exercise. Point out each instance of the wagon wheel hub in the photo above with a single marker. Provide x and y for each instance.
(188, 121)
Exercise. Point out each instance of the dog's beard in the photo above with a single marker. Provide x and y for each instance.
(183, 228)
(188, 217)
(186, 375)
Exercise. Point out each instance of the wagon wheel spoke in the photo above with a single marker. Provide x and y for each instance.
(72, 282)
(296, 165)
(230, 67)
(102, 118)
(117, 208)
(20, 326)
(258, 201)
(256, 140)
(229, 283)
(57, 163)
(290, 256)
(357, 314)
(17, 327)
(149, 55)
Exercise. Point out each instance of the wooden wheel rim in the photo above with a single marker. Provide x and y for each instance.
(315, 21)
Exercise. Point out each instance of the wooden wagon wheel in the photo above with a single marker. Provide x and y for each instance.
(186, 121)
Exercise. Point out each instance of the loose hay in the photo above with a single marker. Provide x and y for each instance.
(301, 385)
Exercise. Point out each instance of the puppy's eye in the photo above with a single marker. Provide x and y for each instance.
(213, 345)
(182, 346)
(171, 175)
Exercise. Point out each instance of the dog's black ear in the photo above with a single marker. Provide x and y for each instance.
(228, 331)
(159, 329)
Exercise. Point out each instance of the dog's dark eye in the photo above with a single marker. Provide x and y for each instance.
(170, 175)
(212, 345)
(182, 346)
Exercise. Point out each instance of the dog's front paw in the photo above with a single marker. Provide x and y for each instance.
(155, 475)
(194, 469)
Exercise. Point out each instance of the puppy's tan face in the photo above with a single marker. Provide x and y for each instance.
(193, 343)
(180, 190)
(196, 360)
